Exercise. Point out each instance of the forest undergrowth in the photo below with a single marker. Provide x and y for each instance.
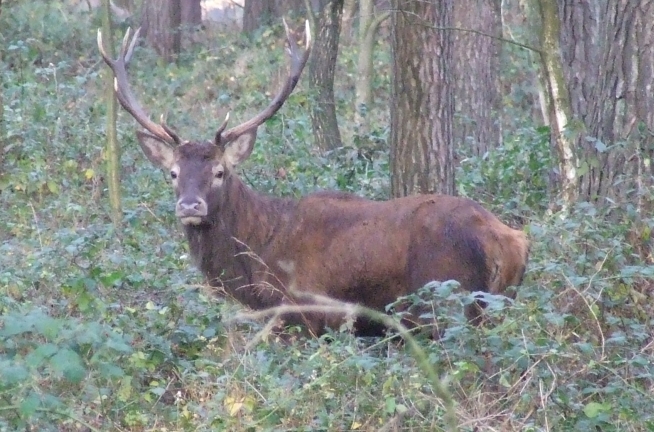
(113, 330)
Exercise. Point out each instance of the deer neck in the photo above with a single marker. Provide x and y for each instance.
(247, 222)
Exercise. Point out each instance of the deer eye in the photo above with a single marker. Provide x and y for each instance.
(173, 175)
(220, 174)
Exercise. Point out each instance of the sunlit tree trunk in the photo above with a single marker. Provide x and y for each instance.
(422, 98)
(476, 71)
(560, 112)
(112, 151)
(322, 64)
(160, 25)
(609, 65)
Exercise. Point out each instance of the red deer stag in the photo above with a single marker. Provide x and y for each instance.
(267, 251)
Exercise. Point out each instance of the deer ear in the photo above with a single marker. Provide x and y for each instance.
(157, 151)
(240, 149)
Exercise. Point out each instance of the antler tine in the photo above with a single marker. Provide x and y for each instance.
(124, 92)
(218, 138)
(130, 48)
(169, 131)
(298, 61)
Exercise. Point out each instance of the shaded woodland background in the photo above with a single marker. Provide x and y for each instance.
(540, 110)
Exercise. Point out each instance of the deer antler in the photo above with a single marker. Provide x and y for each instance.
(124, 92)
(298, 60)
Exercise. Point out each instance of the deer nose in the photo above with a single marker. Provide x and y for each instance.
(195, 207)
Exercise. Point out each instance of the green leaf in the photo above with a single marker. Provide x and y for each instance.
(15, 326)
(112, 279)
(115, 343)
(108, 370)
(38, 356)
(29, 405)
(84, 301)
(159, 391)
(401, 409)
(125, 389)
(391, 405)
(13, 374)
(69, 363)
(593, 409)
(53, 187)
(46, 325)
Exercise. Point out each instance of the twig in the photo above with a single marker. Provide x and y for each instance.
(330, 306)
(424, 23)
(36, 224)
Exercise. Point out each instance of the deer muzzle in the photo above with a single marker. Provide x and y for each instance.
(191, 211)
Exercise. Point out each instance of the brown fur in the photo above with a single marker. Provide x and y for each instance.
(263, 249)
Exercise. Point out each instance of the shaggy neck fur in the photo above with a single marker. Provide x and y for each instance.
(227, 247)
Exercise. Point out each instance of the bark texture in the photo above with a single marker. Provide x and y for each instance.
(608, 52)
(322, 64)
(160, 25)
(191, 13)
(560, 111)
(476, 68)
(422, 99)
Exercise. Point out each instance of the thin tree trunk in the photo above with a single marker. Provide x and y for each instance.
(422, 99)
(349, 14)
(368, 25)
(112, 148)
(322, 65)
(560, 109)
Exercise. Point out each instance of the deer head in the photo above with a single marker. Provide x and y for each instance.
(199, 169)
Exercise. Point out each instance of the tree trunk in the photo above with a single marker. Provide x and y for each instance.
(191, 13)
(422, 99)
(349, 14)
(476, 68)
(322, 65)
(368, 25)
(112, 150)
(609, 63)
(160, 26)
(258, 13)
(560, 111)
